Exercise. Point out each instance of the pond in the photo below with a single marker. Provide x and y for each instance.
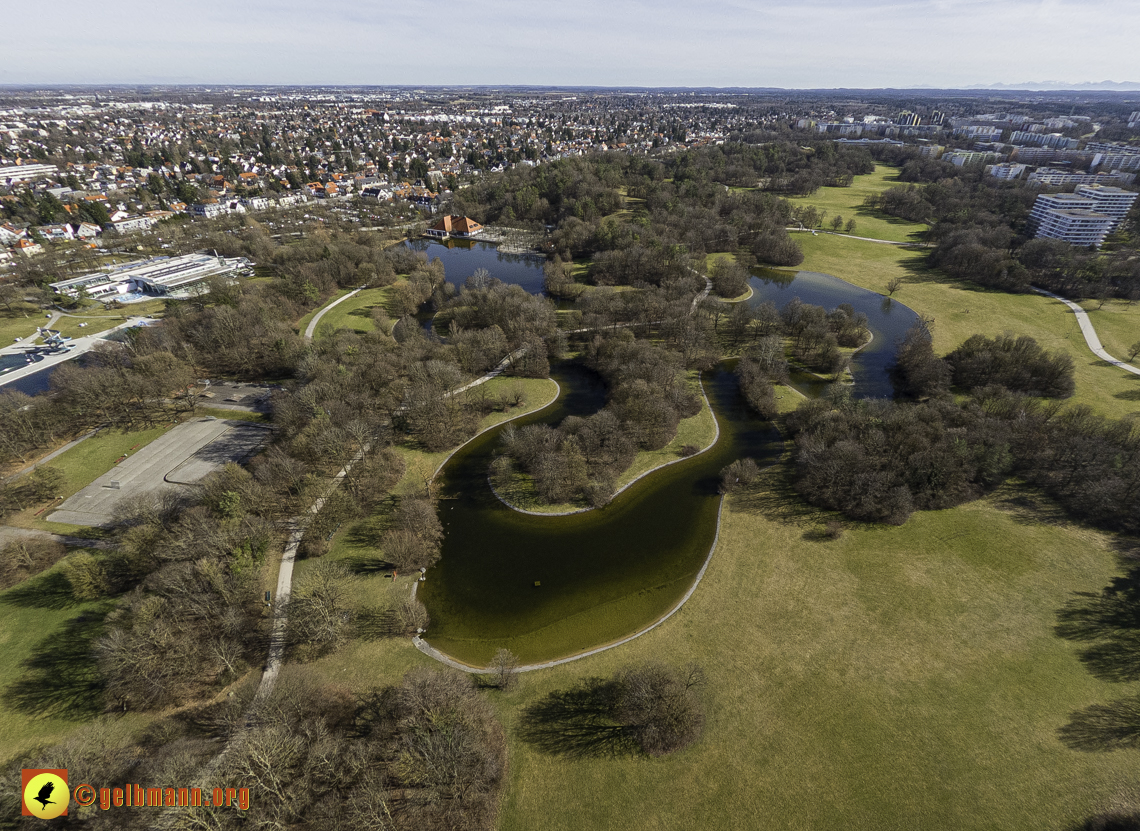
(548, 587)
(887, 319)
(32, 384)
(461, 258)
(551, 587)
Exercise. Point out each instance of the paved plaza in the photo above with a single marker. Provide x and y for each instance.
(176, 461)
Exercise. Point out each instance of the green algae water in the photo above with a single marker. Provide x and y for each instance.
(601, 575)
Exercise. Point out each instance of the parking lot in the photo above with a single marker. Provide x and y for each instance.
(176, 461)
(252, 398)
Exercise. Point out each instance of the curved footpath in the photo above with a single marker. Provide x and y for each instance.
(864, 239)
(312, 327)
(1090, 334)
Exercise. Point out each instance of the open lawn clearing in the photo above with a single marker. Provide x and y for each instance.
(20, 322)
(895, 678)
(355, 313)
(960, 309)
(848, 202)
(70, 326)
(48, 686)
(183, 456)
(1117, 324)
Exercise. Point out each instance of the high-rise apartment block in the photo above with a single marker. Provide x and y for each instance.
(1084, 217)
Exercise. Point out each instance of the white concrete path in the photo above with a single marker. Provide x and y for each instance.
(1090, 333)
(312, 327)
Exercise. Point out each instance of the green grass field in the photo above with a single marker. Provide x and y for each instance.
(848, 202)
(896, 678)
(19, 322)
(47, 684)
(1117, 324)
(355, 313)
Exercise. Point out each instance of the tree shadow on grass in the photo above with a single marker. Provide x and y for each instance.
(1028, 506)
(773, 496)
(1110, 620)
(578, 723)
(46, 591)
(61, 679)
(1112, 821)
(1104, 727)
(377, 624)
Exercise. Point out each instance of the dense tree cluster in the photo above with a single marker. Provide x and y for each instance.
(1018, 364)
(775, 163)
(880, 460)
(425, 753)
(194, 617)
(582, 458)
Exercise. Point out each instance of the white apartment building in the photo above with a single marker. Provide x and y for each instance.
(1083, 218)
(1114, 202)
(132, 224)
(1054, 141)
(962, 158)
(1057, 178)
(1116, 161)
(1076, 227)
(1007, 170)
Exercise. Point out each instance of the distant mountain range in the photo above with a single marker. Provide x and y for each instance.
(1060, 85)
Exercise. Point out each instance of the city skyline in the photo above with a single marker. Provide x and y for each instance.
(817, 44)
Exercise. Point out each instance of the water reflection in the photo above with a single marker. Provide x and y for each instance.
(887, 319)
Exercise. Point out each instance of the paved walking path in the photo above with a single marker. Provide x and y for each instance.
(1090, 333)
(499, 369)
(864, 239)
(312, 327)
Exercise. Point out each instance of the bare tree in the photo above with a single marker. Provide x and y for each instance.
(504, 669)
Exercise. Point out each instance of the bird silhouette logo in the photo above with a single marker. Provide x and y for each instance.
(45, 792)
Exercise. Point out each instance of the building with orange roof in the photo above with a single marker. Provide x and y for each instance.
(455, 226)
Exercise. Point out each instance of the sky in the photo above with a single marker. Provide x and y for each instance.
(737, 43)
